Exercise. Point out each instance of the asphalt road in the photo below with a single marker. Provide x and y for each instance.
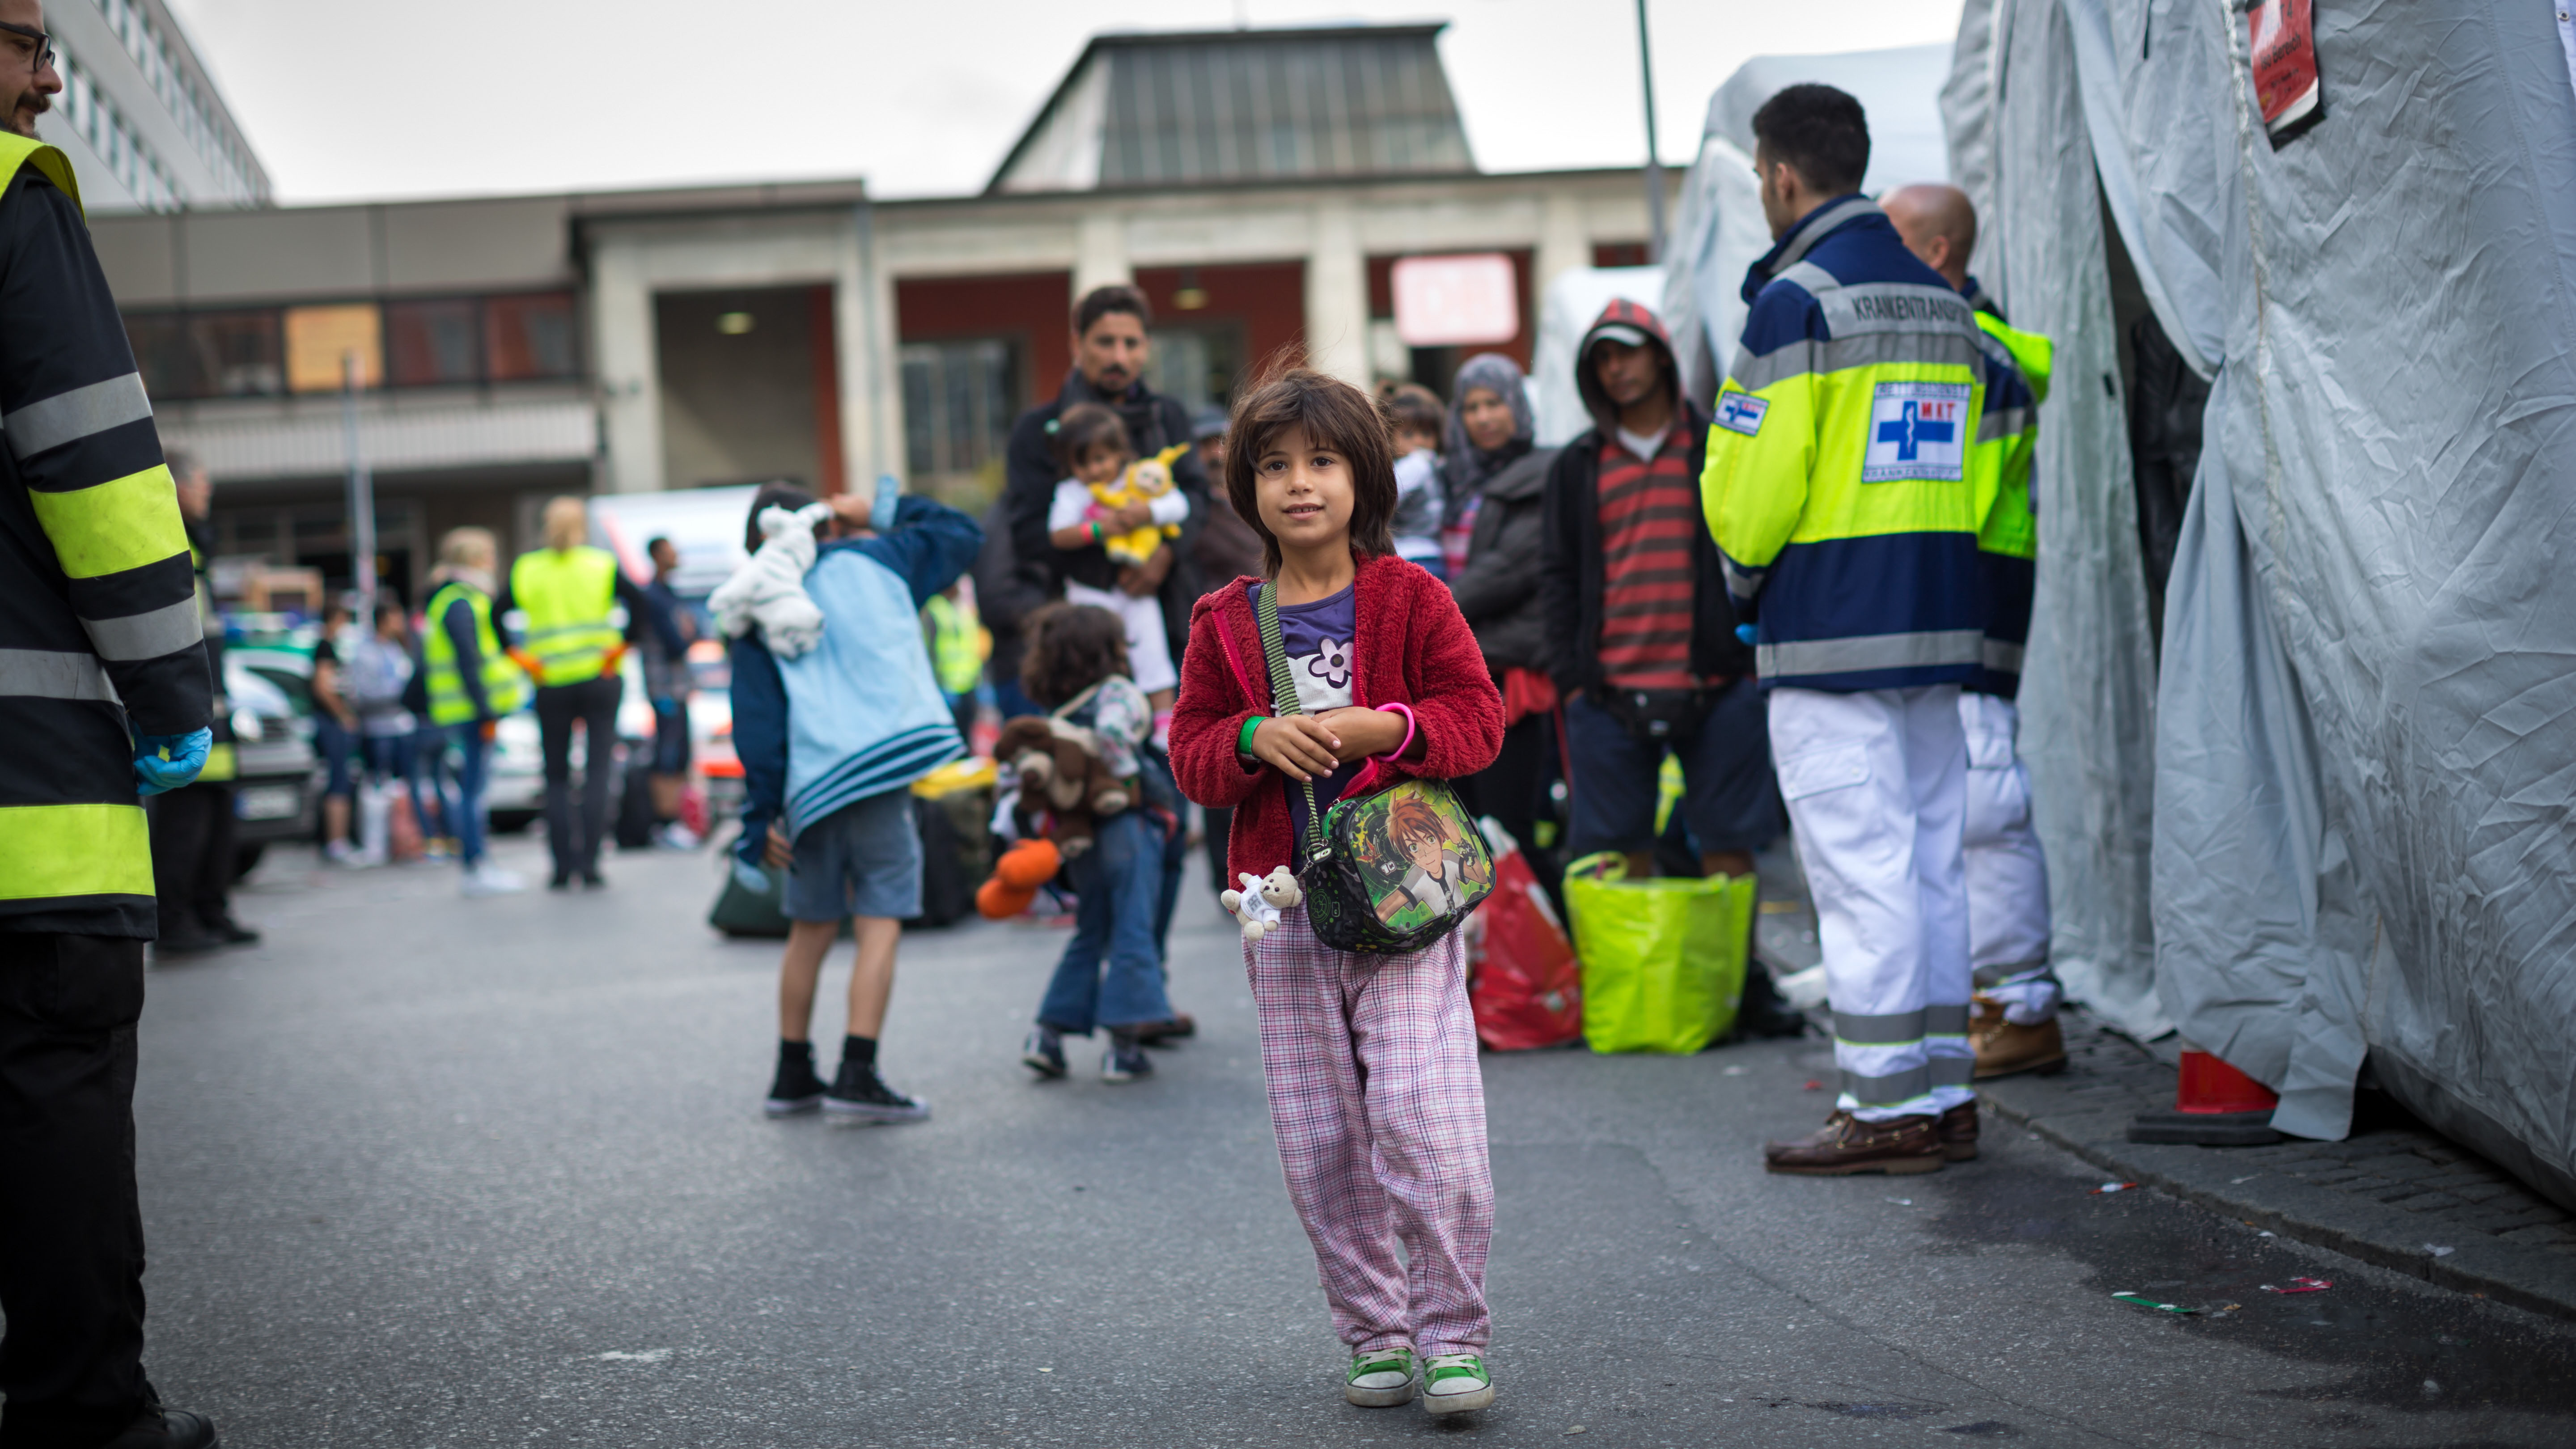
(423, 1172)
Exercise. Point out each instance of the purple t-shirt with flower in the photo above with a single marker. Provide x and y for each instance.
(1317, 638)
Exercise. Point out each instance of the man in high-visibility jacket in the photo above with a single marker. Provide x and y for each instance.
(1839, 487)
(578, 607)
(104, 695)
(2014, 1028)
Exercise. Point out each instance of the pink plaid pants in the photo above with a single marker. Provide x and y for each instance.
(1380, 1111)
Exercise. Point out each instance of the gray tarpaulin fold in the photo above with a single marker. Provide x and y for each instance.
(2088, 681)
(2364, 730)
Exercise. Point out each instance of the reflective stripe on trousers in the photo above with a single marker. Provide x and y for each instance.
(1876, 788)
(2007, 873)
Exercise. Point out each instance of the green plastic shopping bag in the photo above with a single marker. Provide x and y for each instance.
(1663, 959)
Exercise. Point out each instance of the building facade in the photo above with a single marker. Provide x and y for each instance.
(139, 116)
(509, 349)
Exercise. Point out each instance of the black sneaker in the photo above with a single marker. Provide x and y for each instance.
(592, 880)
(1125, 1061)
(795, 1089)
(161, 1427)
(186, 940)
(860, 1098)
(1043, 1053)
(233, 933)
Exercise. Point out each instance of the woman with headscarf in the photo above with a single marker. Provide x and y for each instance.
(1493, 536)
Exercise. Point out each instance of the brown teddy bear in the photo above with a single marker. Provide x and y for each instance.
(1065, 784)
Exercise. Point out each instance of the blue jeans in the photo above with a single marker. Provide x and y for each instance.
(429, 756)
(473, 769)
(1119, 891)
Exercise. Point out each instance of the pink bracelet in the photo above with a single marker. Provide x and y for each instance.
(1407, 711)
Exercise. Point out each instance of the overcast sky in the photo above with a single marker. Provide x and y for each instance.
(356, 99)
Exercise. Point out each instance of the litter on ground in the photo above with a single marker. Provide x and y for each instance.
(2111, 1187)
(2299, 1285)
(2143, 1301)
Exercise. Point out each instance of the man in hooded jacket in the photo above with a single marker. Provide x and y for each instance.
(1645, 653)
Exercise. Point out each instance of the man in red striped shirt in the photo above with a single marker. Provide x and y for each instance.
(1645, 650)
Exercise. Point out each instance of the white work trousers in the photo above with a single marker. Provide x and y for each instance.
(1877, 789)
(2007, 874)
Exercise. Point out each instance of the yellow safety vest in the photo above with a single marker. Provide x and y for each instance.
(503, 684)
(94, 854)
(566, 595)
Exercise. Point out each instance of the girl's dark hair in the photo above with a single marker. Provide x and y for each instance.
(1071, 648)
(1083, 427)
(771, 495)
(1417, 408)
(1336, 418)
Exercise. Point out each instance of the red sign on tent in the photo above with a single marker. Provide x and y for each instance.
(1456, 301)
(2285, 68)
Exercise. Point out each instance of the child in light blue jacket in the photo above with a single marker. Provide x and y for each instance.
(830, 742)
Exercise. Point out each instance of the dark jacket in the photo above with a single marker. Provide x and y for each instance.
(1007, 589)
(1154, 422)
(1503, 555)
(1571, 572)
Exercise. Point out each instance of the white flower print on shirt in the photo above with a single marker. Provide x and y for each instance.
(1331, 663)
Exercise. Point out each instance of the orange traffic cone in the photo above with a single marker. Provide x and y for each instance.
(2215, 1105)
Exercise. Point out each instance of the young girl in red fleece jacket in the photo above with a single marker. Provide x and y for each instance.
(1370, 1060)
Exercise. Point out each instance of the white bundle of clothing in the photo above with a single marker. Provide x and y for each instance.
(769, 591)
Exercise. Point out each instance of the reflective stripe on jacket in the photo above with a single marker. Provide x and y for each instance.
(1840, 485)
(2008, 538)
(566, 595)
(100, 634)
(503, 683)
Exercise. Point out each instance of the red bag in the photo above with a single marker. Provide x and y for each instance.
(1524, 984)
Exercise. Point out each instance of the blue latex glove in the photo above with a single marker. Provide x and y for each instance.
(187, 756)
(1744, 632)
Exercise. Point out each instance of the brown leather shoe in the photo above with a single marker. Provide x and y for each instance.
(1848, 1145)
(1958, 1129)
(2005, 1048)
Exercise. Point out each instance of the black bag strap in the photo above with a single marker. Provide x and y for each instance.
(1284, 701)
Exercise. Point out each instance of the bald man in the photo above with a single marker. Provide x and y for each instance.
(2015, 1025)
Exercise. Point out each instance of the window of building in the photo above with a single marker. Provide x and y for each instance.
(209, 354)
(432, 344)
(320, 341)
(958, 401)
(531, 338)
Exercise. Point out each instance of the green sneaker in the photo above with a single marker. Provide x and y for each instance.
(1381, 1379)
(1454, 1383)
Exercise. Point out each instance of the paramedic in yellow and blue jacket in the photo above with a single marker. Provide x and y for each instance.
(1841, 489)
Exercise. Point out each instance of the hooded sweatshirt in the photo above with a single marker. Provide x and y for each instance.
(1670, 625)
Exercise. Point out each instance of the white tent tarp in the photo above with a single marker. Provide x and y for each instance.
(2364, 728)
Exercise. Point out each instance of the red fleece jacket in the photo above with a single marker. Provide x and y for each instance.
(1412, 648)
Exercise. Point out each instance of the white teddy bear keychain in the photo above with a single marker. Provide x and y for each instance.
(1261, 900)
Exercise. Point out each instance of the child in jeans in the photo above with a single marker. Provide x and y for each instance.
(1092, 447)
(831, 740)
(1370, 1060)
(1077, 667)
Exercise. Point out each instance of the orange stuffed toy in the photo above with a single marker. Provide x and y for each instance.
(1016, 878)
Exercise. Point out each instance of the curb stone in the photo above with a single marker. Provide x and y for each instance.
(2086, 1111)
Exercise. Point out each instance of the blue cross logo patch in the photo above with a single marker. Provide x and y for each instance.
(1917, 433)
(1741, 412)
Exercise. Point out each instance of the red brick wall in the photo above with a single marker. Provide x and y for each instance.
(1034, 309)
(1267, 298)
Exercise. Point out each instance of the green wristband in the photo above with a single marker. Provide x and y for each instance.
(1243, 737)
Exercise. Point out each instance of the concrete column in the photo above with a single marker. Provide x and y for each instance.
(865, 335)
(1100, 251)
(622, 349)
(1564, 241)
(1337, 314)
